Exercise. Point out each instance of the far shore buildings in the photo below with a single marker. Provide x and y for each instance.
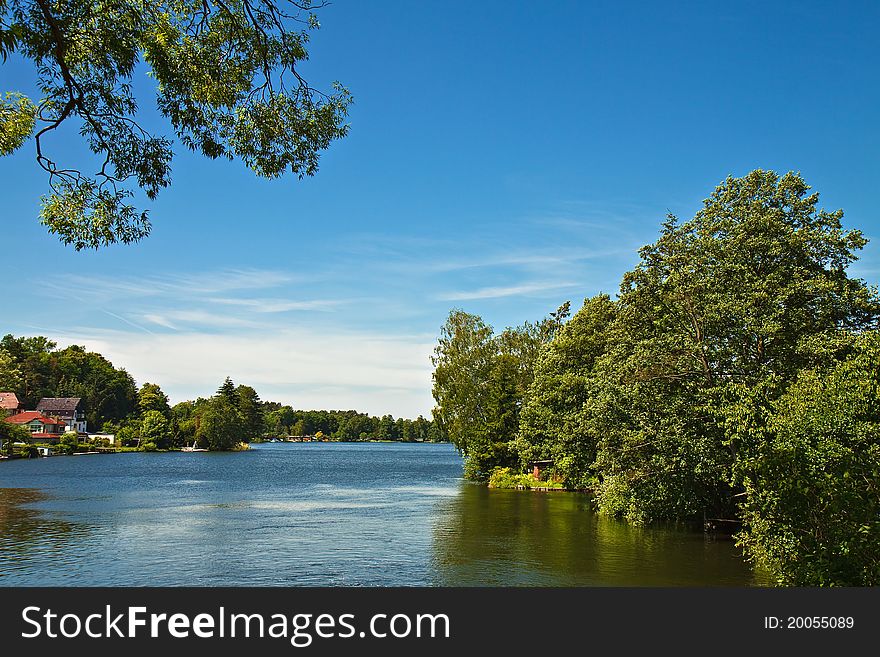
(9, 403)
(42, 427)
(53, 417)
(69, 409)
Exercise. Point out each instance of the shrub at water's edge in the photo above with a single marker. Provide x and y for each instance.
(506, 478)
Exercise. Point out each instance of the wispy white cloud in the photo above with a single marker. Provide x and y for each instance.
(527, 289)
(215, 282)
(223, 299)
(545, 258)
(546, 251)
(176, 319)
(355, 330)
(127, 321)
(275, 305)
(160, 320)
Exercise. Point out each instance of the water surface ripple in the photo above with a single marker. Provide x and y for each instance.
(328, 514)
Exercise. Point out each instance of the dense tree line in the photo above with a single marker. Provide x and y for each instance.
(348, 425)
(236, 414)
(734, 376)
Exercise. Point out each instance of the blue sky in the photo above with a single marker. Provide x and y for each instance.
(503, 157)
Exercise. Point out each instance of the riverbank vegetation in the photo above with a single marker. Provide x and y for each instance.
(734, 376)
(508, 478)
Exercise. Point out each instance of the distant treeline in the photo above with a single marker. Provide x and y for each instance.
(736, 376)
(274, 420)
(33, 367)
(347, 425)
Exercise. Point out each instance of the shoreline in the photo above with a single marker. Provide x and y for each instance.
(189, 450)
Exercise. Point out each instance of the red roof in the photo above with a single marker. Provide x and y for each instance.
(30, 416)
(9, 401)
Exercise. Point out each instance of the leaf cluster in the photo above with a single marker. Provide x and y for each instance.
(227, 78)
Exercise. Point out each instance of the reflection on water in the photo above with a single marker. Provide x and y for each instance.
(321, 515)
(30, 537)
(519, 538)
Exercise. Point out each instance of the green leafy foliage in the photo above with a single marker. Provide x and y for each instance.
(220, 425)
(11, 434)
(155, 431)
(10, 373)
(279, 421)
(84, 214)
(250, 407)
(559, 411)
(809, 464)
(507, 478)
(151, 398)
(735, 376)
(227, 390)
(480, 380)
(753, 288)
(17, 120)
(228, 80)
(68, 442)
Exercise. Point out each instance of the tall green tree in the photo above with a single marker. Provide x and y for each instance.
(227, 390)
(39, 369)
(109, 394)
(250, 407)
(286, 418)
(228, 79)
(184, 422)
(480, 381)
(754, 287)
(463, 360)
(220, 426)
(386, 429)
(274, 427)
(32, 357)
(421, 429)
(151, 398)
(10, 373)
(155, 431)
(558, 416)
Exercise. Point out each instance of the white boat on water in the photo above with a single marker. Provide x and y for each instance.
(192, 449)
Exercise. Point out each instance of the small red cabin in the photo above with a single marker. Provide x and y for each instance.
(539, 467)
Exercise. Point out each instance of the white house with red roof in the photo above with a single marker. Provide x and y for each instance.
(69, 409)
(41, 426)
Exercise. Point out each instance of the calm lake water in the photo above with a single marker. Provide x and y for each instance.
(329, 514)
